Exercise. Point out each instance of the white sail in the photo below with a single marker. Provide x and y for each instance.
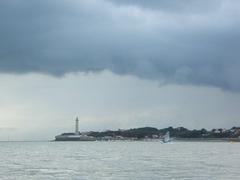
(166, 137)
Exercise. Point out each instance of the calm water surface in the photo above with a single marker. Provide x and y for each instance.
(119, 160)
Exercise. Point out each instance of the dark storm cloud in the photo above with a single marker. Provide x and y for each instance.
(189, 42)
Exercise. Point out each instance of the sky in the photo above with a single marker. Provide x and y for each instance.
(117, 64)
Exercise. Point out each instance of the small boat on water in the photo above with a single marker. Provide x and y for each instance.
(166, 137)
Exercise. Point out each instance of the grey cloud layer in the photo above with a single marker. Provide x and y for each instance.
(175, 6)
(193, 42)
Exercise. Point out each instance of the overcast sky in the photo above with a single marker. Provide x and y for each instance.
(117, 64)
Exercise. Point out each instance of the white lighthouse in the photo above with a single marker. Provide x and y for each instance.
(76, 126)
(76, 136)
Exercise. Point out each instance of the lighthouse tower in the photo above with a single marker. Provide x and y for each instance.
(76, 127)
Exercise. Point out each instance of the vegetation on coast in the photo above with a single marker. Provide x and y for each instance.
(180, 132)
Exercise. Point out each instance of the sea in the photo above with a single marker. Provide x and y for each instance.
(119, 160)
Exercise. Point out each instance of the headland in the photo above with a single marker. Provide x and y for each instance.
(151, 133)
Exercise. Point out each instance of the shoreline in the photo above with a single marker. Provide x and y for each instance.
(207, 139)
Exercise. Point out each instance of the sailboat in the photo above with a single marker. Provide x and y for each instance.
(166, 137)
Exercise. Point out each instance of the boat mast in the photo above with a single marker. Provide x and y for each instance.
(76, 126)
